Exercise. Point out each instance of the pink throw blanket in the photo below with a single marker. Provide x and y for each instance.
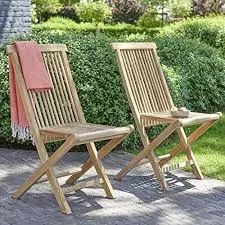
(35, 77)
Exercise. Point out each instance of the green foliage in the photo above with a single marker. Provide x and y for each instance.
(96, 77)
(210, 30)
(180, 8)
(127, 11)
(149, 19)
(195, 72)
(34, 18)
(45, 8)
(68, 2)
(95, 12)
(63, 25)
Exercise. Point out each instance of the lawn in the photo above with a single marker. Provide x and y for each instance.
(209, 150)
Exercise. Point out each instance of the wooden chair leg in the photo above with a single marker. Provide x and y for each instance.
(105, 150)
(158, 171)
(100, 170)
(46, 168)
(57, 190)
(149, 148)
(189, 153)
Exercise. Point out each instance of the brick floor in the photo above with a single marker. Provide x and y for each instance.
(139, 199)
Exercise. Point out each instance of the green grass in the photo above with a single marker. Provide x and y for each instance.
(209, 150)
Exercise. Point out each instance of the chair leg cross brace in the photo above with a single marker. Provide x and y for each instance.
(105, 150)
(94, 160)
(148, 152)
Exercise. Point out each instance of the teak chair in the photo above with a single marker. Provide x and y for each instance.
(150, 101)
(55, 115)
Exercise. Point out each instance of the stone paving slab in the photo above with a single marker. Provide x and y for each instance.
(139, 200)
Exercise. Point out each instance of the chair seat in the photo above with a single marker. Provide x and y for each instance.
(86, 132)
(194, 118)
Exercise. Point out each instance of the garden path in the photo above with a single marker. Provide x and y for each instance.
(139, 199)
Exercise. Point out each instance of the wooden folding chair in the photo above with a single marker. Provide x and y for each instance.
(150, 102)
(55, 115)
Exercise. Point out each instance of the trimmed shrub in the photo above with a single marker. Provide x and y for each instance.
(96, 77)
(195, 72)
(94, 12)
(149, 19)
(44, 9)
(180, 8)
(63, 25)
(210, 30)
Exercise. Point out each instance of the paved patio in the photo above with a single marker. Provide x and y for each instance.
(139, 199)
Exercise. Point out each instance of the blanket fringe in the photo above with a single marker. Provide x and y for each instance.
(22, 133)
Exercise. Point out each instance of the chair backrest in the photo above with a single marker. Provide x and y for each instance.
(143, 78)
(58, 106)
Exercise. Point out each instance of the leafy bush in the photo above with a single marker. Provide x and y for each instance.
(68, 2)
(63, 25)
(95, 74)
(195, 72)
(94, 12)
(180, 8)
(45, 8)
(127, 11)
(209, 30)
(149, 19)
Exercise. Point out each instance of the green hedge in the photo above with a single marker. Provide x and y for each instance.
(64, 25)
(195, 72)
(209, 30)
(95, 74)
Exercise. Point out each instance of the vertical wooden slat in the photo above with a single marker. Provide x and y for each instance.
(57, 95)
(44, 111)
(48, 106)
(72, 88)
(52, 96)
(163, 103)
(162, 77)
(62, 95)
(146, 106)
(61, 80)
(35, 110)
(149, 65)
(148, 84)
(38, 110)
(72, 108)
(131, 80)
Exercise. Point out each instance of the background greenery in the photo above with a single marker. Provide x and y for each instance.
(64, 25)
(194, 68)
(124, 11)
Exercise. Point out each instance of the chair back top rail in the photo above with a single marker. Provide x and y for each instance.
(43, 47)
